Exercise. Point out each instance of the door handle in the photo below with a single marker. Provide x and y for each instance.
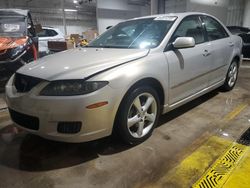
(206, 53)
(231, 44)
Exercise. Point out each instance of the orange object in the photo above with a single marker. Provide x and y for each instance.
(8, 43)
(34, 52)
(97, 105)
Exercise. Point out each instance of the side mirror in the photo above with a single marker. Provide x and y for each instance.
(38, 28)
(184, 42)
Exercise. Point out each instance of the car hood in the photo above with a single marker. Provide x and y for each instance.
(80, 63)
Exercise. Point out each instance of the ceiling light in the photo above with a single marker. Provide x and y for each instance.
(70, 10)
(75, 1)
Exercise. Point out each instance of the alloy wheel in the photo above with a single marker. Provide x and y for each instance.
(233, 71)
(142, 115)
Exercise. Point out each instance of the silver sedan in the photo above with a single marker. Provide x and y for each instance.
(122, 81)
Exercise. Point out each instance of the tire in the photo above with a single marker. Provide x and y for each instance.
(232, 76)
(137, 115)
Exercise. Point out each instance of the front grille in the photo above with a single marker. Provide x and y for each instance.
(69, 127)
(27, 121)
(4, 55)
(24, 83)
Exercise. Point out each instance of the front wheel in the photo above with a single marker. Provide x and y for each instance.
(232, 76)
(138, 115)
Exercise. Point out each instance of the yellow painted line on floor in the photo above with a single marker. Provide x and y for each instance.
(217, 175)
(226, 158)
(193, 166)
(235, 112)
(240, 176)
(221, 153)
(220, 171)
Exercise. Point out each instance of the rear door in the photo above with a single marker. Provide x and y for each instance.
(189, 67)
(222, 49)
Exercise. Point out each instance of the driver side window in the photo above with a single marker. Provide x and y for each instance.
(190, 27)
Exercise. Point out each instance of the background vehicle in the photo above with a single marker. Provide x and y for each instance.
(48, 34)
(123, 80)
(244, 33)
(18, 41)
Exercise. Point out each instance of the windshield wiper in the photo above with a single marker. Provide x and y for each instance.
(87, 46)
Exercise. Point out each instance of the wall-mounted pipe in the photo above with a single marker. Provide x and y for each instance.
(64, 18)
(154, 7)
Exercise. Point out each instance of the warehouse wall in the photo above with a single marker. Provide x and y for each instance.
(213, 7)
(230, 12)
(74, 24)
(173, 6)
(49, 13)
(246, 18)
(111, 12)
(235, 12)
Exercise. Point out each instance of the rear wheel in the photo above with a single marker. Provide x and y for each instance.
(232, 76)
(138, 115)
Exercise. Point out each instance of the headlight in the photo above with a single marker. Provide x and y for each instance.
(18, 50)
(71, 87)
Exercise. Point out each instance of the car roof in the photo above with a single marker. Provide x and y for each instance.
(179, 15)
(48, 27)
(53, 28)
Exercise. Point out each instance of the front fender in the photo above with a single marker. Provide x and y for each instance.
(123, 77)
(238, 44)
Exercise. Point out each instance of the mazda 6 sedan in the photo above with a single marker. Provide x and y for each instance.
(125, 79)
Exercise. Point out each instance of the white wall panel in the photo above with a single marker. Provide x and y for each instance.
(217, 8)
(235, 12)
(228, 11)
(49, 13)
(246, 19)
(111, 12)
(174, 6)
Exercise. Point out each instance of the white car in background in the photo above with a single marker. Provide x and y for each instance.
(48, 34)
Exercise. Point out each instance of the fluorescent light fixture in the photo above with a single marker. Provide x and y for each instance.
(70, 10)
(211, 2)
(75, 1)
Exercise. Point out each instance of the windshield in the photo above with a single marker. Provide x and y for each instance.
(12, 27)
(141, 33)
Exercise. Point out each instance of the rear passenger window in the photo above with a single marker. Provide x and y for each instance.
(214, 29)
(190, 27)
(47, 33)
(51, 33)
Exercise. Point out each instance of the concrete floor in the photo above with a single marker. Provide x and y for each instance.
(30, 161)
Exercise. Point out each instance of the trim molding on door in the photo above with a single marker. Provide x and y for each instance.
(203, 74)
